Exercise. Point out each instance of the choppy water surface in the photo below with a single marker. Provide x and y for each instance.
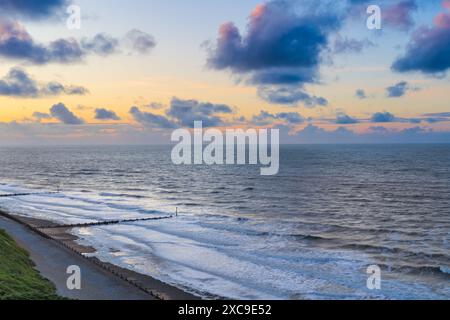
(309, 232)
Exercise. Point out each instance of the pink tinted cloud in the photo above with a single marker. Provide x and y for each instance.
(442, 20)
(446, 4)
(13, 29)
(399, 15)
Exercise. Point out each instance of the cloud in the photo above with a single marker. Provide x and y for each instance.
(149, 119)
(102, 44)
(155, 105)
(290, 117)
(280, 47)
(56, 88)
(140, 41)
(30, 8)
(342, 118)
(17, 44)
(382, 117)
(64, 115)
(284, 76)
(41, 116)
(265, 118)
(399, 90)
(18, 83)
(183, 113)
(400, 15)
(428, 50)
(276, 37)
(40, 133)
(314, 134)
(360, 94)
(437, 117)
(290, 96)
(103, 114)
(438, 114)
(90, 134)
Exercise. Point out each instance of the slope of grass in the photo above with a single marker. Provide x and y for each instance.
(18, 279)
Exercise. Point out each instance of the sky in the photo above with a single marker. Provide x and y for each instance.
(135, 71)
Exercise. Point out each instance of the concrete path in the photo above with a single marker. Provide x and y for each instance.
(52, 261)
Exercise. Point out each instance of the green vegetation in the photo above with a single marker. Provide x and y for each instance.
(18, 279)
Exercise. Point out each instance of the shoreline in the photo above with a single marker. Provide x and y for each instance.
(58, 238)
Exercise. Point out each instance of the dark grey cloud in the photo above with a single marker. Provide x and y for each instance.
(360, 94)
(34, 9)
(265, 118)
(64, 115)
(436, 117)
(101, 44)
(41, 116)
(183, 113)
(17, 44)
(315, 134)
(290, 117)
(18, 83)
(155, 105)
(399, 89)
(56, 88)
(40, 133)
(290, 95)
(383, 117)
(280, 47)
(342, 118)
(139, 41)
(428, 50)
(277, 37)
(284, 76)
(151, 120)
(415, 120)
(104, 114)
(437, 114)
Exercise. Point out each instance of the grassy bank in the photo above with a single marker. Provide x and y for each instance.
(18, 279)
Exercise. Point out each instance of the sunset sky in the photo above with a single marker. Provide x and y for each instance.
(138, 69)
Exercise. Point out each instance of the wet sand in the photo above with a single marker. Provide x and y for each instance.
(52, 248)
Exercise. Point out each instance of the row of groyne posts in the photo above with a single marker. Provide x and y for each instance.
(10, 195)
(108, 267)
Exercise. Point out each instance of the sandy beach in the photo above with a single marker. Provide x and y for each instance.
(52, 248)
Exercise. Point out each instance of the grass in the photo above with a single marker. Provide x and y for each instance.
(18, 278)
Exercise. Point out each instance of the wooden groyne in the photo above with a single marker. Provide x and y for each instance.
(121, 273)
(103, 223)
(10, 195)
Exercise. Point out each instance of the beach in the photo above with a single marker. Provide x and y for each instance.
(54, 249)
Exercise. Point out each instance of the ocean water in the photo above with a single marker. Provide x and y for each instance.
(308, 233)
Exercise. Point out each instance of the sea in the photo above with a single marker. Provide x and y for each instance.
(314, 231)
